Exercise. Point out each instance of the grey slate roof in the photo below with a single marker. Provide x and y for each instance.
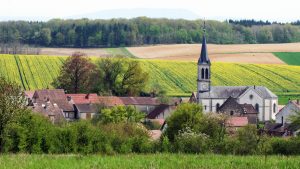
(204, 55)
(86, 108)
(224, 92)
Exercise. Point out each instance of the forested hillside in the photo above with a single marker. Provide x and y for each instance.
(142, 31)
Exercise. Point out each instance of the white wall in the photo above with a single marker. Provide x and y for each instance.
(257, 99)
(83, 115)
(286, 112)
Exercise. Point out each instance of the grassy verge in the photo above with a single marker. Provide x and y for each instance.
(153, 161)
(290, 58)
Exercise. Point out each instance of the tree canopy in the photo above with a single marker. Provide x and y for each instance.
(141, 31)
(12, 105)
(77, 74)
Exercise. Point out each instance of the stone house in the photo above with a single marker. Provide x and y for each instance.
(283, 116)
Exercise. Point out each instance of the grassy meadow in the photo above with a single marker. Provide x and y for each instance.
(176, 77)
(153, 161)
(290, 58)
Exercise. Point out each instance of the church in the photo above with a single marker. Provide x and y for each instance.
(213, 97)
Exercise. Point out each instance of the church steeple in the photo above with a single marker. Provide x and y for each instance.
(204, 59)
(203, 81)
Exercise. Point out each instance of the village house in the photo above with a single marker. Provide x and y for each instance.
(86, 106)
(232, 124)
(233, 109)
(52, 103)
(213, 97)
(283, 116)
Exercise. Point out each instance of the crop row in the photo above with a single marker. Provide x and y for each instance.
(38, 72)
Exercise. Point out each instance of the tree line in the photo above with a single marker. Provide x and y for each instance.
(83, 33)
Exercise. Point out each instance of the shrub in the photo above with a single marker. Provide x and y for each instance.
(247, 138)
(188, 141)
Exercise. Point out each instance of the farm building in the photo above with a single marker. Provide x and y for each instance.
(213, 97)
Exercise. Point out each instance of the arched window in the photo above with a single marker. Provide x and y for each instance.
(217, 107)
(206, 73)
(257, 107)
(202, 73)
(274, 108)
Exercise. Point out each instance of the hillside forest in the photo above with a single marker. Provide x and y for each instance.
(85, 33)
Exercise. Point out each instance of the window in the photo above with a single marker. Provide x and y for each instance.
(206, 73)
(257, 107)
(217, 107)
(274, 108)
(202, 73)
(231, 113)
(205, 107)
(251, 96)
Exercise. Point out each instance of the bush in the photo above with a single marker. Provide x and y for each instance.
(247, 138)
(188, 141)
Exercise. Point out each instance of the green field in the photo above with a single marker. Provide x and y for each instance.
(177, 78)
(161, 161)
(120, 52)
(290, 58)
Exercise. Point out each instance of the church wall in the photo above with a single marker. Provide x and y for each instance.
(276, 109)
(251, 97)
(268, 110)
(206, 103)
(215, 102)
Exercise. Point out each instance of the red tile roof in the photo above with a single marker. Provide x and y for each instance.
(237, 121)
(55, 96)
(84, 98)
(117, 101)
(29, 94)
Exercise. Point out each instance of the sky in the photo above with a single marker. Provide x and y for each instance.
(272, 10)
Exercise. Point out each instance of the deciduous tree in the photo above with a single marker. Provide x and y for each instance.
(12, 105)
(77, 74)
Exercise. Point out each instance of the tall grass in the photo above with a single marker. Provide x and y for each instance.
(167, 161)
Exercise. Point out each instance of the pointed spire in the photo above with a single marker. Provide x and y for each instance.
(204, 55)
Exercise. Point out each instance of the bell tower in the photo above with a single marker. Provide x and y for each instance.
(204, 65)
